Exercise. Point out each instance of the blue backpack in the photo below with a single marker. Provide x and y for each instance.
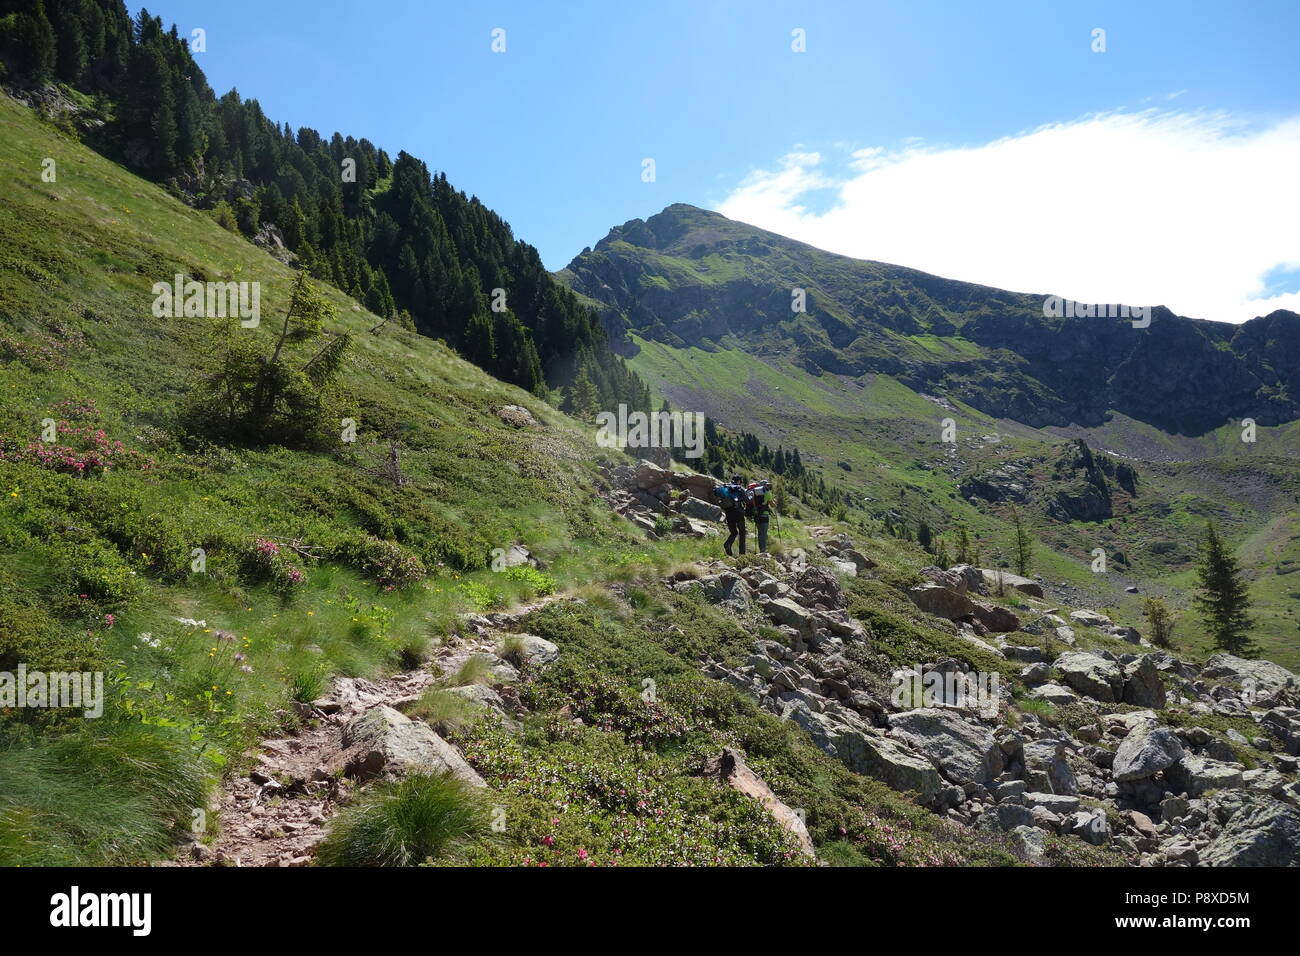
(733, 496)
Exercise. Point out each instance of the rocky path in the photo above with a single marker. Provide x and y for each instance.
(277, 812)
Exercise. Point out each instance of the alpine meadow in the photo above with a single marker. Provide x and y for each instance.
(339, 530)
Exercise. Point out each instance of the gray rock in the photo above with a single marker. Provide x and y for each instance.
(538, 651)
(1028, 844)
(694, 507)
(727, 589)
(479, 694)
(1035, 673)
(1054, 694)
(1267, 676)
(1010, 582)
(1142, 686)
(1004, 817)
(869, 753)
(1012, 791)
(941, 601)
(1265, 832)
(1090, 826)
(1060, 804)
(385, 742)
(962, 751)
(1027, 653)
(1195, 775)
(1146, 751)
(1047, 769)
(1090, 618)
(1091, 675)
(787, 612)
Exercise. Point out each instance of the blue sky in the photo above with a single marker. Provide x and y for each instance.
(552, 133)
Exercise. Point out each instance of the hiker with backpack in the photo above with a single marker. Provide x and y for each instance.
(760, 509)
(735, 505)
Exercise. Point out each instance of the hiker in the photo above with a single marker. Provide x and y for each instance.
(760, 509)
(735, 503)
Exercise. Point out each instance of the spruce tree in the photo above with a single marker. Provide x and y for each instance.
(1024, 543)
(1224, 600)
(583, 401)
(964, 553)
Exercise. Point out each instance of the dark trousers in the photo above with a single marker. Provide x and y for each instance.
(736, 525)
(761, 524)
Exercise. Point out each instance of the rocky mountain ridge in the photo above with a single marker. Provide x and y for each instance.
(689, 277)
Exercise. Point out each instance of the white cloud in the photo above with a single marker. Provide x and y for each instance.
(1188, 210)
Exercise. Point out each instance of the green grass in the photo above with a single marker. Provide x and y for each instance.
(89, 564)
(419, 819)
(107, 794)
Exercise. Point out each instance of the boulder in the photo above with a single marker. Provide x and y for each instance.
(1059, 803)
(727, 589)
(1285, 722)
(972, 577)
(1054, 694)
(821, 586)
(1268, 677)
(1091, 675)
(857, 558)
(1046, 767)
(479, 694)
(1142, 686)
(649, 475)
(1090, 618)
(514, 556)
(868, 752)
(1090, 826)
(730, 767)
(1010, 581)
(1028, 844)
(1147, 750)
(961, 750)
(996, 618)
(516, 415)
(787, 612)
(1194, 775)
(1004, 817)
(941, 601)
(385, 742)
(537, 651)
(696, 485)
(1264, 832)
(694, 507)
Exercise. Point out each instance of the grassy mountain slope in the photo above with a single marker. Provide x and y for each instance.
(862, 381)
(96, 569)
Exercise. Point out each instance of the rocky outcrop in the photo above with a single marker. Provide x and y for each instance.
(962, 751)
(385, 742)
(1157, 795)
(1091, 675)
(1268, 678)
(1263, 832)
(647, 491)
